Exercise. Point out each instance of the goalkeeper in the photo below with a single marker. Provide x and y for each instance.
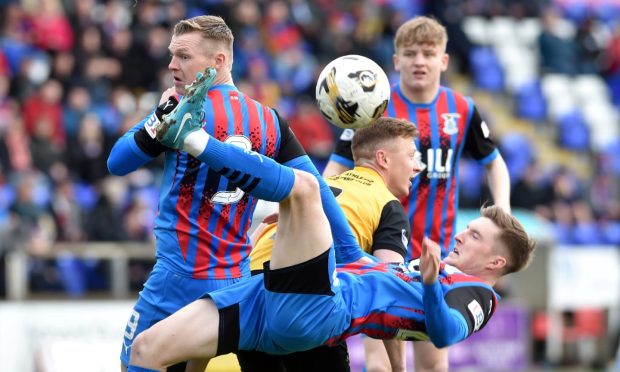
(201, 226)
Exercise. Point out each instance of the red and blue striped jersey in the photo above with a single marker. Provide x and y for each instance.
(396, 308)
(202, 220)
(447, 126)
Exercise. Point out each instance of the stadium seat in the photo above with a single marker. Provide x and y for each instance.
(85, 195)
(557, 91)
(602, 119)
(563, 233)
(477, 30)
(72, 274)
(575, 11)
(530, 102)
(488, 74)
(587, 233)
(502, 30)
(518, 154)
(613, 84)
(572, 132)
(527, 31)
(519, 64)
(607, 12)
(590, 87)
(611, 233)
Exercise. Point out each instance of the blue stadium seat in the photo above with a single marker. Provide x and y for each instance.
(607, 12)
(613, 83)
(573, 132)
(575, 11)
(487, 71)
(518, 153)
(72, 274)
(585, 233)
(86, 195)
(531, 103)
(562, 233)
(611, 233)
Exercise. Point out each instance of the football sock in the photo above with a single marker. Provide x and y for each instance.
(250, 171)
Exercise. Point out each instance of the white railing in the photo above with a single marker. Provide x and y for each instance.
(118, 254)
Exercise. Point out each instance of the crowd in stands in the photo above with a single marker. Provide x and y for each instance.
(74, 75)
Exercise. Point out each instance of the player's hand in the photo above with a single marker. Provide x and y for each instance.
(167, 103)
(165, 96)
(429, 261)
(188, 115)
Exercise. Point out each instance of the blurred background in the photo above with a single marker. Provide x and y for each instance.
(76, 243)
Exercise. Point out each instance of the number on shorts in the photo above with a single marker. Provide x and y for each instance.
(132, 324)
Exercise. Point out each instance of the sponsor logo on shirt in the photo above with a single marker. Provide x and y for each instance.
(436, 166)
(476, 311)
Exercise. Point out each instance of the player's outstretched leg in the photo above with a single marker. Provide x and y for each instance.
(254, 173)
(175, 339)
(188, 115)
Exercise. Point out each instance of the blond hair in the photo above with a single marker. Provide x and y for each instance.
(210, 27)
(519, 247)
(368, 139)
(421, 30)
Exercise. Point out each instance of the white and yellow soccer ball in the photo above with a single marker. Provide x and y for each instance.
(352, 91)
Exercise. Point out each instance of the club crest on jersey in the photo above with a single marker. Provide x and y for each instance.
(450, 126)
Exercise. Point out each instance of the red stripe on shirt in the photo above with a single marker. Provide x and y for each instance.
(418, 222)
(401, 110)
(462, 108)
(270, 132)
(441, 107)
(183, 207)
(230, 225)
(207, 242)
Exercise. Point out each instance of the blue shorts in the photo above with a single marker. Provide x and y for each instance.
(163, 294)
(282, 311)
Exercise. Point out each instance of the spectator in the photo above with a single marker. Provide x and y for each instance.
(533, 191)
(46, 105)
(558, 51)
(87, 156)
(313, 131)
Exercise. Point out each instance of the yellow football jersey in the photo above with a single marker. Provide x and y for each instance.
(375, 215)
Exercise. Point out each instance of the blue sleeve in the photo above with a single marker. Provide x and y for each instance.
(345, 244)
(126, 156)
(445, 326)
(345, 162)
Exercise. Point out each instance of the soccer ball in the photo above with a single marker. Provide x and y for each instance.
(352, 91)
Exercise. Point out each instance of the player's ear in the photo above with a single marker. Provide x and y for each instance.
(395, 62)
(221, 60)
(445, 59)
(381, 158)
(497, 263)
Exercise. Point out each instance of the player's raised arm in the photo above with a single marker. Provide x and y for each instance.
(429, 261)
